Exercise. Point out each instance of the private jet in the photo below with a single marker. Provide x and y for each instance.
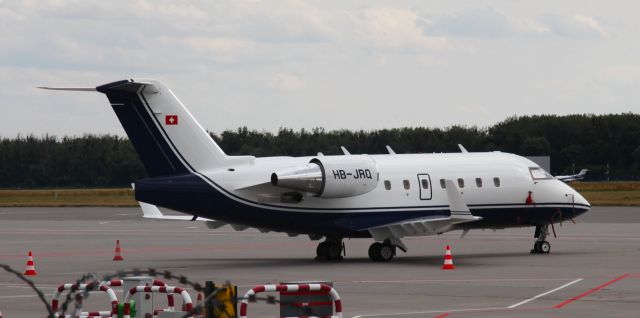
(384, 197)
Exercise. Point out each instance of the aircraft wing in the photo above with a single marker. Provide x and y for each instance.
(459, 213)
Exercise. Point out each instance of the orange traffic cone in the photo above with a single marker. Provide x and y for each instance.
(31, 266)
(448, 259)
(118, 256)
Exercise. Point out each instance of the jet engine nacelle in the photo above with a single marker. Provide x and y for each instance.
(331, 176)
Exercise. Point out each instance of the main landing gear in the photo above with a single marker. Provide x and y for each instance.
(382, 251)
(330, 250)
(541, 246)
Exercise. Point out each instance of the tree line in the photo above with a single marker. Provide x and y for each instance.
(608, 145)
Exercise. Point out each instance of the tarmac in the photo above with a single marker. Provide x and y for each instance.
(593, 269)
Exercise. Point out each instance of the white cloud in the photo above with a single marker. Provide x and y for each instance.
(275, 21)
(575, 25)
(398, 58)
(484, 21)
(287, 82)
(490, 22)
(8, 15)
(219, 49)
(394, 29)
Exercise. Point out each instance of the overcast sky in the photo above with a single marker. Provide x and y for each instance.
(333, 64)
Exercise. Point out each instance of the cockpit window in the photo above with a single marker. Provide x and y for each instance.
(538, 173)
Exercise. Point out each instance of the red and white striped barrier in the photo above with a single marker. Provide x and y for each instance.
(55, 301)
(186, 299)
(292, 288)
(156, 282)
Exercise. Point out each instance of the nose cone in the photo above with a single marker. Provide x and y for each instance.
(574, 197)
(579, 199)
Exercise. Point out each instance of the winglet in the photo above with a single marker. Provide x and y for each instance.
(457, 206)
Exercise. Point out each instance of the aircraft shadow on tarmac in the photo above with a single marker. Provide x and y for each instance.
(476, 260)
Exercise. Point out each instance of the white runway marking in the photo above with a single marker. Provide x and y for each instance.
(418, 281)
(468, 309)
(427, 312)
(544, 294)
(23, 296)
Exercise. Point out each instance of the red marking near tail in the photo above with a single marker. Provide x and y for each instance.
(591, 291)
(443, 315)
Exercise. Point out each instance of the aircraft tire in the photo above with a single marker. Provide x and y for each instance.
(387, 252)
(322, 251)
(380, 252)
(334, 251)
(329, 251)
(544, 247)
(374, 251)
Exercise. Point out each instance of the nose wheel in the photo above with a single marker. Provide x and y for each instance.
(541, 246)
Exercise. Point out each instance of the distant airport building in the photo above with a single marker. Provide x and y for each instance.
(542, 161)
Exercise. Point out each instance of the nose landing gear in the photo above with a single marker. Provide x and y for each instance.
(541, 246)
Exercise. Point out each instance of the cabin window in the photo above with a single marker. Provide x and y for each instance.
(443, 184)
(479, 182)
(496, 181)
(387, 184)
(538, 173)
(425, 183)
(460, 183)
(407, 184)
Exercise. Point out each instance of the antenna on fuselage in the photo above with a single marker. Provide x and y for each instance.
(391, 152)
(462, 148)
(345, 151)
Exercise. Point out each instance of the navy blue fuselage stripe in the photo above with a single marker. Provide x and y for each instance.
(190, 194)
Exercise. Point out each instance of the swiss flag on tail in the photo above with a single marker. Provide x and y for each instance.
(171, 120)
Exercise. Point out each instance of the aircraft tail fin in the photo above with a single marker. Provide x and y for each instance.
(168, 139)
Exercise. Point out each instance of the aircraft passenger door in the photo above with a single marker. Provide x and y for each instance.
(424, 184)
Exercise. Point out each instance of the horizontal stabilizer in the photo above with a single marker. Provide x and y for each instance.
(75, 89)
(150, 211)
